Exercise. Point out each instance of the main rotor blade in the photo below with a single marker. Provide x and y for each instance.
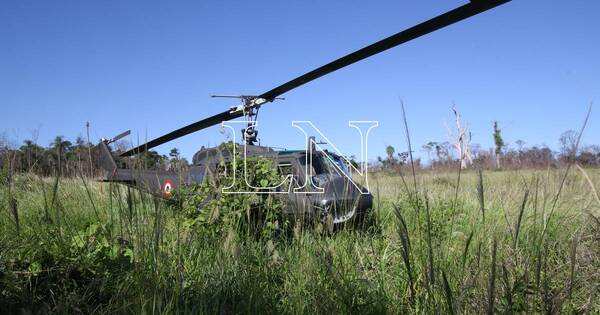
(473, 8)
(202, 124)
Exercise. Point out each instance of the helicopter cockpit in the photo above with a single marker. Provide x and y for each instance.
(329, 164)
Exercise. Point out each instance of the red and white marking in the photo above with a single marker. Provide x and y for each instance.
(167, 187)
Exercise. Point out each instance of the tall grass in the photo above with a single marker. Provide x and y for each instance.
(84, 246)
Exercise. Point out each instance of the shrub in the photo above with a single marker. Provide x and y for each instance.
(209, 209)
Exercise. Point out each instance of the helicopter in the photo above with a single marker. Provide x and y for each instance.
(315, 170)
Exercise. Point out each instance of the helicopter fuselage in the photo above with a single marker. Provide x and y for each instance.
(319, 188)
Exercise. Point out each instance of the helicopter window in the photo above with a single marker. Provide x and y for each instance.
(320, 165)
(331, 164)
(325, 165)
(341, 164)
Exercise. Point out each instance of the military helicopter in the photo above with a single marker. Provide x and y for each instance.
(326, 171)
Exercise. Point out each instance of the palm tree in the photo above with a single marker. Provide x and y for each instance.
(389, 150)
(26, 148)
(79, 148)
(32, 153)
(174, 154)
(61, 147)
(174, 162)
(429, 149)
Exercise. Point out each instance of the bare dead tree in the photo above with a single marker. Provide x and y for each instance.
(461, 141)
(568, 145)
(468, 149)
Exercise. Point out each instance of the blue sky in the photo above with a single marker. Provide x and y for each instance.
(150, 67)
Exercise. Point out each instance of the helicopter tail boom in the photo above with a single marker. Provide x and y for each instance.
(154, 181)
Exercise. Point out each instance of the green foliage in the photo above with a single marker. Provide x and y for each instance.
(389, 150)
(206, 207)
(75, 270)
(3, 173)
(95, 248)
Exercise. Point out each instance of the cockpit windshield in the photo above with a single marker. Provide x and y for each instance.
(342, 165)
(329, 164)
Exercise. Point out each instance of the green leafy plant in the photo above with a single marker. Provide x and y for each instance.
(208, 208)
(96, 247)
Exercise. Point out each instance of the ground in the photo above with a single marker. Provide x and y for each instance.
(512, 241)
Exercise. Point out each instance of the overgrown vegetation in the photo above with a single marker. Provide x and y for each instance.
(90, 247)
(206, 208)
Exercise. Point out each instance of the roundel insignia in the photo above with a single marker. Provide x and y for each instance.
(167, 187)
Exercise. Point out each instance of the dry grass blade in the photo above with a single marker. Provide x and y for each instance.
(564, 178)
(539, 260)
(89, 194)
(53, 203)
(589, 180)
(412, 164)
(480, 196)
(520, 218)
(596, 220)
(429, 244)
(405, 252)
(492, 281)
(157, 225)
(466, 250)
(573, 262)
(14, 211)
(12, 201)
(448, 293)
(508, 290)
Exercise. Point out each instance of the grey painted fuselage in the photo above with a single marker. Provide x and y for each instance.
(339, 199)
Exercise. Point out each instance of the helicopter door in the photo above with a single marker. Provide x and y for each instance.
(296, 203)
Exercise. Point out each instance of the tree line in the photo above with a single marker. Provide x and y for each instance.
(66, 158)
(63, 157)
(444, 155)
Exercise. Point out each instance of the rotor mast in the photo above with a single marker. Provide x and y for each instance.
(249, 107)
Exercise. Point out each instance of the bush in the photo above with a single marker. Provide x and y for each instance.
(207, 208)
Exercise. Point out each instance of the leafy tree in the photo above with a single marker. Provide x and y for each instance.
(390, 152)
(499, 142)
(390, 161)
(442, 150)
(176, 162)
(589, 156)
(79, 142)
(174, 154)
(150, 159)
(428, 148)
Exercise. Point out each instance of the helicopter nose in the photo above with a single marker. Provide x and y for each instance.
(343, 209)
(365, 202)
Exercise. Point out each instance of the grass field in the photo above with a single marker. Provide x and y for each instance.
(504, 244)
